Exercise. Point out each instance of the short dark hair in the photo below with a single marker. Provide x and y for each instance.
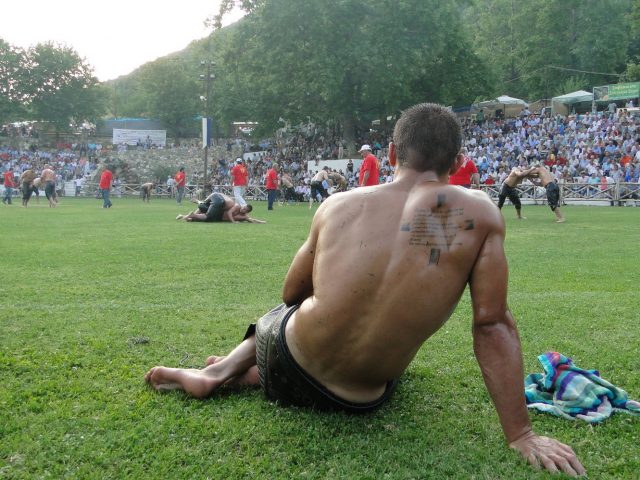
(249, 208)
(427, 137)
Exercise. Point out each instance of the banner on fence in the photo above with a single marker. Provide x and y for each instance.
(139, 137)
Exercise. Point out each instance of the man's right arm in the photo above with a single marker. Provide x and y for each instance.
(497, 348)
(298, 284)
(365, 177)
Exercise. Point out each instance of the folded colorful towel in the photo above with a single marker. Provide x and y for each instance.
(570, 392)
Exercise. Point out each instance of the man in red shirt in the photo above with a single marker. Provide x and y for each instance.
(9, 185)
(466, 174)
(369, 170)
(271, 182)
(240, 177)
(181, 181)
(106, 179)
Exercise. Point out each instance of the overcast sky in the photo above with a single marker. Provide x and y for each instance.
(115, 37)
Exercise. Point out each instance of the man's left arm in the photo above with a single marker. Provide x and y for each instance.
(497, 348)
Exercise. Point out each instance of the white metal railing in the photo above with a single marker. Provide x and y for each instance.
(592, 193)
(595, 194)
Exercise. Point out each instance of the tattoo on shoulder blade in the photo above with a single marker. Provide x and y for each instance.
(434, 256)
(437, 227)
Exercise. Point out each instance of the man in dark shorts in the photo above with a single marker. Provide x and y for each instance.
(218, 207)
(26, 182)
(409, 249)
(509, 189)
(48, 177)
(318, 183)
(145, 191)
(547, 180)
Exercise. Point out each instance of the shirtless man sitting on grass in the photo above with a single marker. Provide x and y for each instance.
(218, 207)
(408, 250)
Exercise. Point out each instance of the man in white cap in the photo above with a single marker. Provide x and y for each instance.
(240, 180)
(370, 168)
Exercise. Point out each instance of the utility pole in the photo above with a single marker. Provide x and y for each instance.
(206, 132)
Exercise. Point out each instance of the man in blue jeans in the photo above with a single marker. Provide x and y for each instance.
(106, 179)
(271, 182)
(9, 185)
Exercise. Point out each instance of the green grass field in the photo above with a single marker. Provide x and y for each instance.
(91, 298)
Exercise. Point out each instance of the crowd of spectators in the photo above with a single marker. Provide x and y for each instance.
(597, 148)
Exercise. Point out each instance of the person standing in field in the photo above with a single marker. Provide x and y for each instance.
(180, 182)
(370, 168)
(271, 183)
(48, 177)
(240, 180)
(9, 185)
(106, 180)
(467, 174)
(286, 184)
(145, 191)
(548, 181)
(26, 182)
(318, 189)
(509, 185)
(408, 251)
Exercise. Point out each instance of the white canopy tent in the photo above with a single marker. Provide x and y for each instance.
(507, 100)
(563, 103)
(510, 106)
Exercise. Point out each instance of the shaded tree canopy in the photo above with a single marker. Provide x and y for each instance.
(49, 83)
(344, 62)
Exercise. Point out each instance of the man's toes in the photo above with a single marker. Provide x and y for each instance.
(213, 359)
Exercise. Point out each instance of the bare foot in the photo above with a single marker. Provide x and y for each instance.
(195, 382)
(561, 220)
(522, 218)
(248, 378)
(212, 359)
(179, 217)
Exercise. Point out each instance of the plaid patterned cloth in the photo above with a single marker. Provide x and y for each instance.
(570, 392)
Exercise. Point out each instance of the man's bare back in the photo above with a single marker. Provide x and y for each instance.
(382, 269)
(47, 175)
(544, 175)
(424, 231)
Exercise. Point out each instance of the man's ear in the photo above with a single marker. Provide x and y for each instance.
(392, 155)
(457, 164)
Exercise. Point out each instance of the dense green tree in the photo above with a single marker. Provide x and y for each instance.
(351, 61)
(126, 96)
(632, 73)
(172, 96)
(634, 31)
(12, 77)
(61, 88)
(538, 46)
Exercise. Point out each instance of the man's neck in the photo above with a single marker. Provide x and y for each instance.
(404, 174)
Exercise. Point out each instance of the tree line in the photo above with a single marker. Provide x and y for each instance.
(346, 62)
(49, 83)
